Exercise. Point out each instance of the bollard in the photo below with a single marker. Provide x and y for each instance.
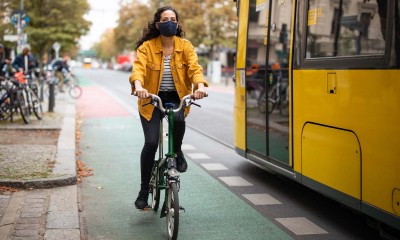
(41, 86)
(51, 96)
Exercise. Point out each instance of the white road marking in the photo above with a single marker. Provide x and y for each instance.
(301, 226)
(235, 181)
(198, 156)
(188, 147)
(261, 199)
(214, 166)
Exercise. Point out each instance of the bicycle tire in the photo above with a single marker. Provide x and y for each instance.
(272, 99)
(5, 106)
(23, 107)
(75, 91)
(172, 201)
(261, 102)
(36, 106)
(155, 191)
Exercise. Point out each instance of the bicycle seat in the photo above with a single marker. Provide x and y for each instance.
(169, 105)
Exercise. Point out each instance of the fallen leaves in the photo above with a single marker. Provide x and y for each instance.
(83, 171)
(8, 189)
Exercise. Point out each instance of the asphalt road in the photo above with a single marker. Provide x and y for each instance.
(316, 217)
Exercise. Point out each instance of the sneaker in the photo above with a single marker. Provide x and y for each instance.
(141, 200)
(181, 162)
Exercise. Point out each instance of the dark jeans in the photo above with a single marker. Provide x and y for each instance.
(151, 131)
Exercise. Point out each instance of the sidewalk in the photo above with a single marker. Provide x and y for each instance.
(39, 212)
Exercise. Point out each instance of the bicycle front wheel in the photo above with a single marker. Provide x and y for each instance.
(155, 191)
(172, 211)
(75, 91)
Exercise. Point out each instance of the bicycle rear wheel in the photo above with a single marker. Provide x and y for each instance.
(37, 106)
(262, 105)
(75, 91)
(23, 106)
(272, 99)
(172, 211)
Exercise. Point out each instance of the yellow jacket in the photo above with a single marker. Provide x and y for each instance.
(148, 68)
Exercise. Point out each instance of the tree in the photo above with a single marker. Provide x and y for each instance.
(54, 21)
(205, 22)
(133, 17)
(5, 26)
(106, 48)
(221, 21)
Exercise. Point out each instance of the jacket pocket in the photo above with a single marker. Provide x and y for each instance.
(153, 67)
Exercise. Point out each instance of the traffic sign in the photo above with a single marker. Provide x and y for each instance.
(19, 18)
(11, 38)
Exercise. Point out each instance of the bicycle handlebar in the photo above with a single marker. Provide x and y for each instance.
(159, 103)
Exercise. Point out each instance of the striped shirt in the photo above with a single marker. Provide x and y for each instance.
(167, 82)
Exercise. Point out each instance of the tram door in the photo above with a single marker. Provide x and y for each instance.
(267, 91)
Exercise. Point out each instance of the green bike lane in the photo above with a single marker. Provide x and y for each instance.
(110, 142)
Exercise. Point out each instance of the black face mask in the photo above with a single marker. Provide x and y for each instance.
(168, 28)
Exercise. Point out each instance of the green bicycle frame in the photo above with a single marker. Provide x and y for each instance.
(162, 161)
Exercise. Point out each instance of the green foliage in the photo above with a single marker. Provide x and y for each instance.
(52, 21)
(132, 18)
(211, 23)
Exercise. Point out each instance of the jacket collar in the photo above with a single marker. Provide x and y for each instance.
(177, 44)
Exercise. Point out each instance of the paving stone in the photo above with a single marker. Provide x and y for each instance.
(25, 233)
(34, 200)
(24, 238)
(29, 220)
(32, 210)
(65, 234)
(27, 226)
(37, 194)
(28, 214)
(33, 205)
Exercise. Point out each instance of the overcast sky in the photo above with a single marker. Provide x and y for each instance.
(103, 15)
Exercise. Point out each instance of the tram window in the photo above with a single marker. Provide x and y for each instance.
(346, 28)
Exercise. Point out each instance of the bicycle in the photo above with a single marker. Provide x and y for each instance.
(31, 91)
(70, 82)
(165, 176)
(277, 96)
(12, 99)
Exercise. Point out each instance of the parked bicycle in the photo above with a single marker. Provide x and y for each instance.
(278, 97)
(31, 91)
(12, 100)
(165, 176)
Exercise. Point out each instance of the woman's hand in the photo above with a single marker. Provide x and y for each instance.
(140, 91)
(200, 92)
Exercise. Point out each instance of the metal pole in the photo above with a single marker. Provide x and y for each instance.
(51, 97)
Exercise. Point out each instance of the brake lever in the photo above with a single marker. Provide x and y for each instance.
(147, 104)
(192, 103)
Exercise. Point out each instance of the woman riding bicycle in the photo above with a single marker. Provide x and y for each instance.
(166, 65)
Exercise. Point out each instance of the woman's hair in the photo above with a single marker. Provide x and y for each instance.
(151, 31)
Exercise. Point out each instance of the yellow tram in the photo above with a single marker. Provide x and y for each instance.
(317, 97)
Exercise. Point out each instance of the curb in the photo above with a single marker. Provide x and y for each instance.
(64, 170)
